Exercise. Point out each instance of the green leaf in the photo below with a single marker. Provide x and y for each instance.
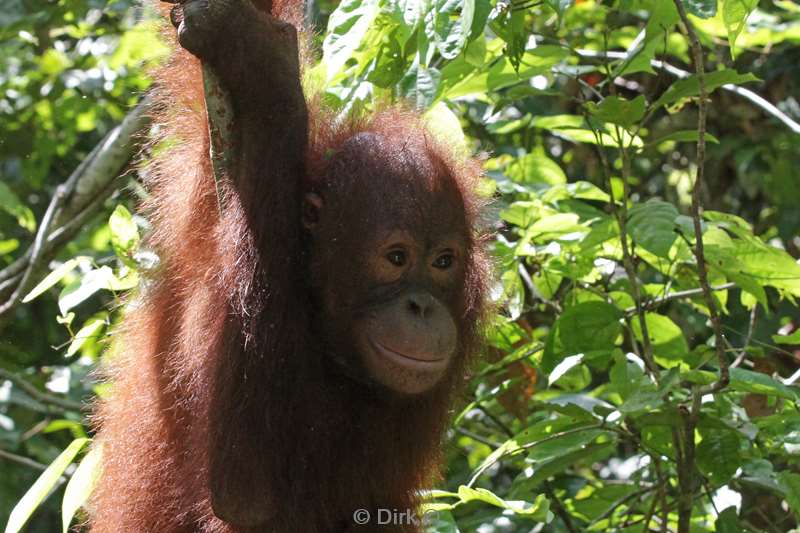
(758, 383)
(80, 290)
(11, 204)
(447, 29)
(43, 487)
(789, 483)
(589, 328)
(728, 521)
(567, 364)
(718, 455)
(652, 226)
(443, 124)
(80, 486)
(705, 9)
(734, 15)
(794, 338)
(574, 128)
(536, 168)
(90, 332)
(683, 136)
(617, 110)
(689, 87)
(347, 26)
(124, 234)
(750, 262)
(625, 377)
(591, 453)
(52, 278)
(666, 337)
(539, 510)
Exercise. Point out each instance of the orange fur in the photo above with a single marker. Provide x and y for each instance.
(206, 340)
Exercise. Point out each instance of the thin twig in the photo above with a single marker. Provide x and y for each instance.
(753, 97)
(36, 250)
(24, 461)
(658, 301)
(478, 438)
(622, 501)
(478, 473)
(38, 395)
(499, 423)
(558, 507)
(750, 328)
(73, 202)
(699, 251)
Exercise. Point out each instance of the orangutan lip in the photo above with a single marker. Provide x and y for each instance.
(403, 358)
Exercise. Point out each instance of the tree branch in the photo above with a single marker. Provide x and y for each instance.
(24, 461)
(699, 251)
(747, 94)
(678, 295)
(38, 395)
(73, 202)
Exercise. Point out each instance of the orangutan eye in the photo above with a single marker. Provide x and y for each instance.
(444, 261)
(397, 257)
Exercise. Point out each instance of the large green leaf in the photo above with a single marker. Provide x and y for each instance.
(589, 328)
(53, 278)
(536, 167)
(652, 226)
(665, 336)
(347, 26)
(756, 382)
(718, 455)
(690, 87)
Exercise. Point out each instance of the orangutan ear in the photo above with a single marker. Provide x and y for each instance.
(312, 209)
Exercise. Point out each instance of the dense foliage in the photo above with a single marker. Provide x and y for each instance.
(636, 381)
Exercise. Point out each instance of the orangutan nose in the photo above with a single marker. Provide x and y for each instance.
(421, 304)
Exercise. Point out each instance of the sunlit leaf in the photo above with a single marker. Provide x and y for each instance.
(665, 336)
(53, 278)
(80, 290)
(124, 234)
(734, 15)
(80, 486)
(43, 486)
(90, 332)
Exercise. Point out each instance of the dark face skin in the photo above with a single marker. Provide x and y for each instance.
(389, 277)
(407, 342)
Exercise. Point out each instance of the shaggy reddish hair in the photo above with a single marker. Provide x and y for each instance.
(195, 354)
